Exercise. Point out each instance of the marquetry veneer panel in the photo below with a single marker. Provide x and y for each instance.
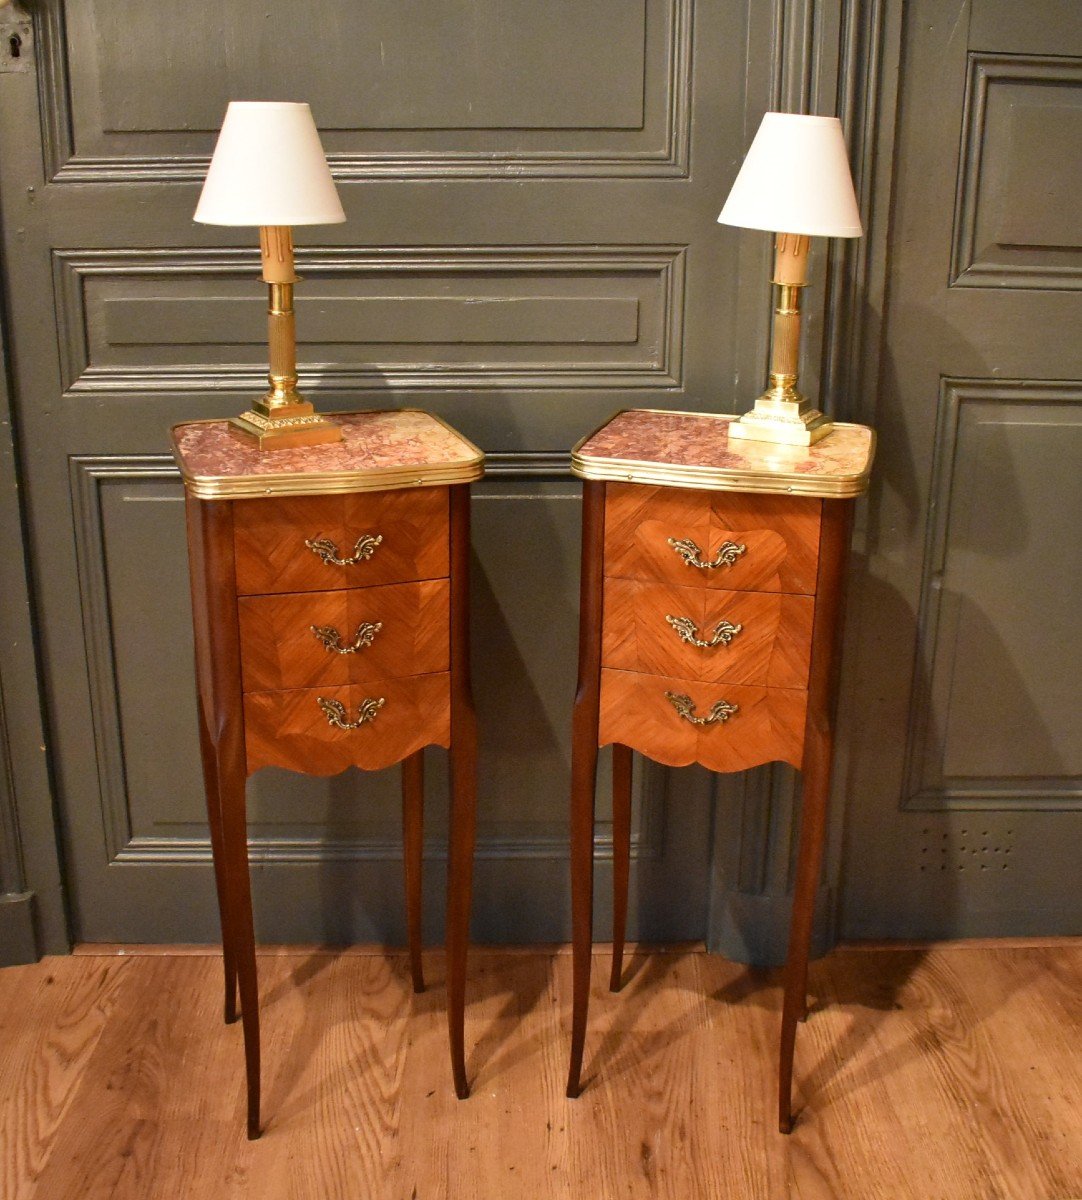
(290, 729)
(407, 634)
(772, 645)
(271, 554)
(768, 726)
(780, 533)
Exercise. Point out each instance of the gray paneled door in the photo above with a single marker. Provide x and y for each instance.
(531, 192)
(965, 809)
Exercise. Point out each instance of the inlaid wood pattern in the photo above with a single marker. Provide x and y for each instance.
(769, 726)
(289, 729)
(271, 534)
(780, 533)
(280, 651)
(772, 647)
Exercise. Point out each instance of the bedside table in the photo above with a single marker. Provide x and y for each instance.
(329, 599)
(712, 588)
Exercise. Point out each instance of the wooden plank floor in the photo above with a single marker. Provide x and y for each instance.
(924, 1072)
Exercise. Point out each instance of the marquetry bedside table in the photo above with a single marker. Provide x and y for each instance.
(712, 586)
(329, 597)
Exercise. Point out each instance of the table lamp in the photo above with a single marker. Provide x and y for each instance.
(795, 182)
(269, 170)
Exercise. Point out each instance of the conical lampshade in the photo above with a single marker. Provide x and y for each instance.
(795, 179)
(268, 169)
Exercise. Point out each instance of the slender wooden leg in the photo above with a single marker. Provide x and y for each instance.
(621, 855)
(809, 865)
(584, 737)
(221, 715)
(413, 800)
(214, 820)
(583, 783)
(210, 536)
(463, 789)
(235, 845)
(818, 753)
(459, 889)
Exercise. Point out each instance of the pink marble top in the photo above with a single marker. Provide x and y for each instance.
(694, 450)
(402, 444)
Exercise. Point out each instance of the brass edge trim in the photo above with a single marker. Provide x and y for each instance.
(388, 480)
(719, 479)
(383, 479)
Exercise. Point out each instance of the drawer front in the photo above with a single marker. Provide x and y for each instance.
(750, 637)
(306, 639)
(767, 726)
(391, 537)
(292, 729)
(728, 540)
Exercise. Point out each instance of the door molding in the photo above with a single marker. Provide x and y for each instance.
(841, 58)
(33, 920)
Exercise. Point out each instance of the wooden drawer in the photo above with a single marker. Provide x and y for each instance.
(291, 729)
(396, 629)
(780, 536)
(766, 638)
(271, 539)
(768, 726)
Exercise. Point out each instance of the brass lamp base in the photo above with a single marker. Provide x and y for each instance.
(282, 419)
(299, 425)
(781, 414)
(788, 421)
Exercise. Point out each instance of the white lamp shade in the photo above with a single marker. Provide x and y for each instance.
(795, 179)
(268, 169)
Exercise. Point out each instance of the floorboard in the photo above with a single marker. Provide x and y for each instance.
(923, 1073)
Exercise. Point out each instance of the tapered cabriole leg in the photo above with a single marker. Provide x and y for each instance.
(463, 788)
(235, 840)
(621, 856)
(809, 866)
(221, 732)
(413, 799)
(214, 821)
(584, 771)
(818, 753)
(205, 538)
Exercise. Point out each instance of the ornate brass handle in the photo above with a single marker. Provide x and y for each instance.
(689, 551)
(332, 639)
(720, 711)
(363, 549)
(335, 712)
(687, 631)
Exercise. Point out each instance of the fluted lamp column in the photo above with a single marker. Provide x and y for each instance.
(795, 182)
(269, 170)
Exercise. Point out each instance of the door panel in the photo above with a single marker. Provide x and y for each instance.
(529, 246)
(966, 780)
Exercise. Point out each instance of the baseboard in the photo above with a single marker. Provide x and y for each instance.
(18, 941)
(754, 929)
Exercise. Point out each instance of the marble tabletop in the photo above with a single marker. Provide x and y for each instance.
(379, 450)
(693, 450)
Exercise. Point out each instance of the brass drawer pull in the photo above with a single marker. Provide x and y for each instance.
(335, 712)
(332, 639)
(690, 552)
(720, 711)
(687, 631)
(363, 549)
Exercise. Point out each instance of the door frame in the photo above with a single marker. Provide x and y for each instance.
(842, 56)
(33, 913)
